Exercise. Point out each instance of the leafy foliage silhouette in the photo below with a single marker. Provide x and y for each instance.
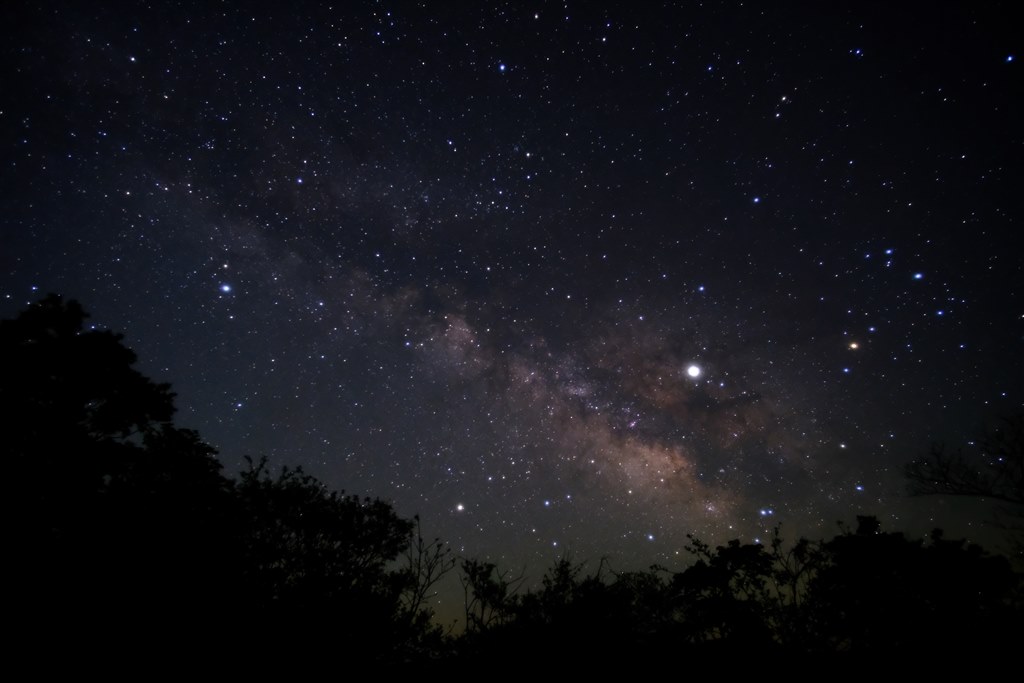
(881, 592)
(103, 522)
(863, 594)
(122, 519)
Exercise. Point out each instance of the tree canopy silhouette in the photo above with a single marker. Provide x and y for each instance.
(107, 494)
(120, 517)
(124, 529)
(864, 594)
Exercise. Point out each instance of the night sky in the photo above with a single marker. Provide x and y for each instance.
(564, 279)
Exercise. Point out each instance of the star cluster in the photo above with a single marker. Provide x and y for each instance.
(562, 278)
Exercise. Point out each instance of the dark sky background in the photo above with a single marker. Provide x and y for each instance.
(462, 256)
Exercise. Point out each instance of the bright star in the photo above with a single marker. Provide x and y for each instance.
(693, 371)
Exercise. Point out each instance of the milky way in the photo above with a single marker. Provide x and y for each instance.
(464, 256)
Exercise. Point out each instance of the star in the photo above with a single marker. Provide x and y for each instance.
(590, 301)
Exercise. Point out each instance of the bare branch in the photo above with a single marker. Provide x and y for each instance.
(995, 471)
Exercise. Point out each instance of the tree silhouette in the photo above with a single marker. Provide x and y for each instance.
(995, 469)
(101, 514)
(489, 595)
(423, 566)
(881, 593)
(991, 468)
(66, 389)
(122, 519)
(600, 618)
(72, 406)
(864, 593)
(793, 569)
(318, 561)
(725, 595)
